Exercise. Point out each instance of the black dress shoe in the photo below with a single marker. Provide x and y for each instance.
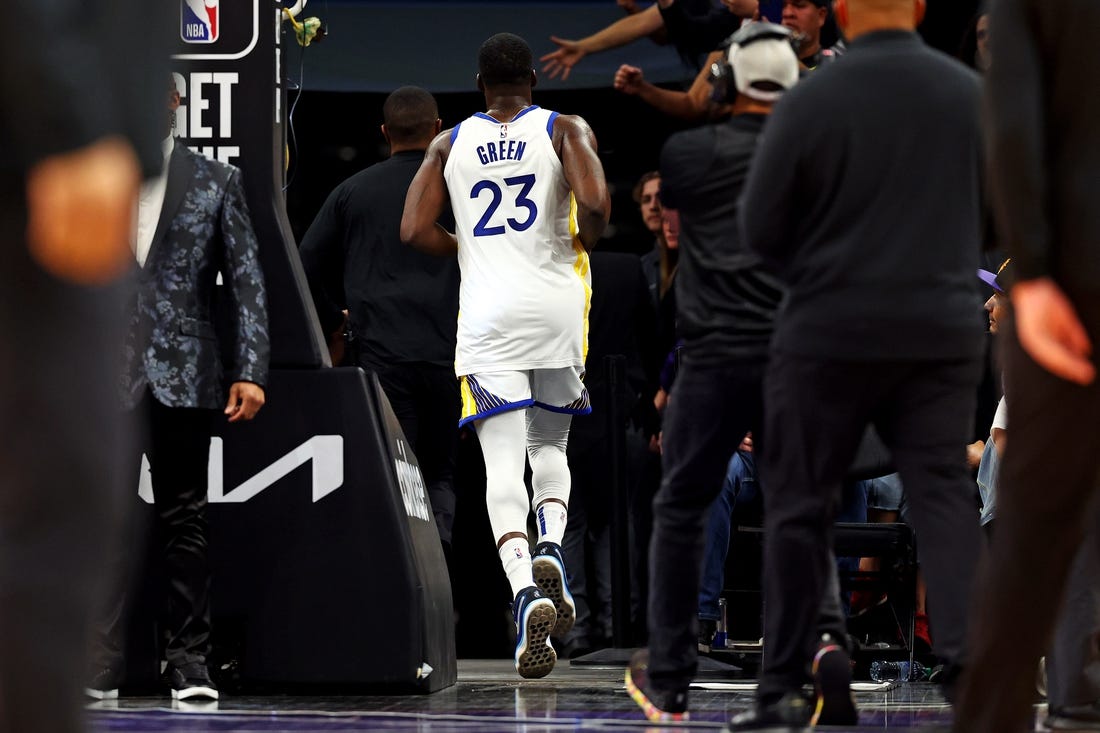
(789, 714)
(1075, 717)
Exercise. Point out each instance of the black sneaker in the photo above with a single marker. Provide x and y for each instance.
(104, 684)
(789, 714)
(548, 567)
(659, 707)
(832, 673)
(707, 629)
(191, 682)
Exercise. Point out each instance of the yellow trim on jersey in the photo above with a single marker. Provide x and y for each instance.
(581, 267)
(469, 406)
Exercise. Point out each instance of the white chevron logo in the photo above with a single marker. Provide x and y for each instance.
(325, 452)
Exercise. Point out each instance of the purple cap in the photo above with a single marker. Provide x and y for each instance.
(993, 279)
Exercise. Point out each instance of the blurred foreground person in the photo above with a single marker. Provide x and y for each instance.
(878, 327)
(78, 133)
(1044, 150)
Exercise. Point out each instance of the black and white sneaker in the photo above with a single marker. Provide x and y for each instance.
(535, 618)
(548, 567)
(104, 684)
(191, 682)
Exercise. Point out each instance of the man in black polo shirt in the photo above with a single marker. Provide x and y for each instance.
(400, 305)
(865, 196)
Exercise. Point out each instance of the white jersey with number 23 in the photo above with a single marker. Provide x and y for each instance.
(526, 285)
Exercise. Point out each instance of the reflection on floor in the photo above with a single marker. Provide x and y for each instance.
(490, 698)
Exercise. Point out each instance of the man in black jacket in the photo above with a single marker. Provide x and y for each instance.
(1044, 146)
(193, 225)
(401, 304)
(865, 196)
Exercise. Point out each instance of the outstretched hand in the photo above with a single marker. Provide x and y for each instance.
(245, 400)
(1051, 332)
(629, 79)
(561, 61)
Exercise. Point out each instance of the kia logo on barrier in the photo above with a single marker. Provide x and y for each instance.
(325, 453)
(411, 483)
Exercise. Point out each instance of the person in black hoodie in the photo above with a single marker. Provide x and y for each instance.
(866, 198)
(1043, 140)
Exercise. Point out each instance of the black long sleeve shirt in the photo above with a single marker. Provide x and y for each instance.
(1043, 131)
(402, 303)
(726, 301)
(865, 195)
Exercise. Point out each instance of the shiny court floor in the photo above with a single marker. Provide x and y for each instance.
(490, 698)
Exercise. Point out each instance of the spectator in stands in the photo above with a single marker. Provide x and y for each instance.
(1073, 663)
(739, 497)
(975, 46)
(805, 18)
(646, 194)
(695, 26)
(870, 334)
(991, 451)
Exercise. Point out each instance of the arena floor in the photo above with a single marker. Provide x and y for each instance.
(489, 698)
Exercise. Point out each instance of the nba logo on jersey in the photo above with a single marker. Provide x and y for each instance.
(199, 21)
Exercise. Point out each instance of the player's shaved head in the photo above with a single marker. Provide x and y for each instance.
(505, 59)
(409, 114)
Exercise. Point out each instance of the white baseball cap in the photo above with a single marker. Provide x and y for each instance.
(761, 56)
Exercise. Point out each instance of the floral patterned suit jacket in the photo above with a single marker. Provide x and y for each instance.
(172, 346)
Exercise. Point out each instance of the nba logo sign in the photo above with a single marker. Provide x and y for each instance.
(199, 21)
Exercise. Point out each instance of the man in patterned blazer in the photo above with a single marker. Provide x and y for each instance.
(193, 224)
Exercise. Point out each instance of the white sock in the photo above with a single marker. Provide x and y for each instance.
(551, 518)
(515, 556)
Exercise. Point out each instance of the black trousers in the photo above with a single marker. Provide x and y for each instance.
(426, 401)
(817, 411)
(60, 454)
(176, 441)
(1047, 482)
(709, 411)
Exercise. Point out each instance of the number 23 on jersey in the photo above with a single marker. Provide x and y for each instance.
(485, 226)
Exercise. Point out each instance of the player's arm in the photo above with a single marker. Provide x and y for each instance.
(425, 201)
(584, 172)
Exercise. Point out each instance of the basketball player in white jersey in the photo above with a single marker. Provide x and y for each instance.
(529, 200)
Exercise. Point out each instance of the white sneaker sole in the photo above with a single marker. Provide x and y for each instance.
(101, 694)
(550, 578)
(195, 693)
(535, 657)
